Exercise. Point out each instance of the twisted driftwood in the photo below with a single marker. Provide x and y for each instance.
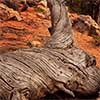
(32, 73)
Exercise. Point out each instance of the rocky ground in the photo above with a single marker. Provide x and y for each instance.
(31, 31)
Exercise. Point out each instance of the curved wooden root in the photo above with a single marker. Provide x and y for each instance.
(61, 25)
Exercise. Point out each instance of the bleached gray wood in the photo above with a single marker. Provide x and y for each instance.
(30, 74)
(61, 26)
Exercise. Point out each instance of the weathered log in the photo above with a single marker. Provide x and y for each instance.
(33, 73)
(30, 74)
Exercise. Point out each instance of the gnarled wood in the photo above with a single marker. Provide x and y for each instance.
(61, 25)
(32, 73)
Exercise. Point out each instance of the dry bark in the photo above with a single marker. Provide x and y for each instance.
(61, 25)
(29, 74)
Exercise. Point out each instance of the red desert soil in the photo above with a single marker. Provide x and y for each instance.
(33, 31)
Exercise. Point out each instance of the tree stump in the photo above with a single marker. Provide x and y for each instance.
(30, 74)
